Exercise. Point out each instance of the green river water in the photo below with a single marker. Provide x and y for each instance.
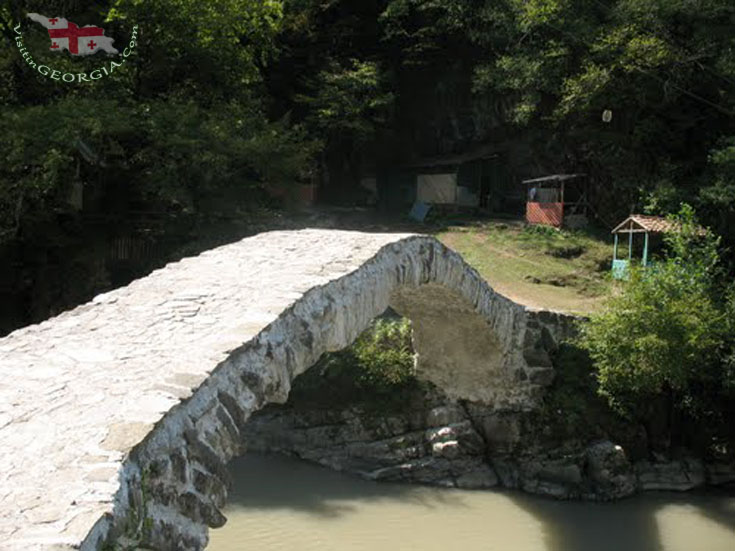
(280, 503)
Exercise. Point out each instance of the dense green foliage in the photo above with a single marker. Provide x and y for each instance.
(258, 93)
(668, 334)
(573, 413)
(380, 359)
(375, 372)
(182, 121)
(533, 78)
(384, 353)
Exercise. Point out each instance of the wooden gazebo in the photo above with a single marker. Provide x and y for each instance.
(557, 200)
(637, 224)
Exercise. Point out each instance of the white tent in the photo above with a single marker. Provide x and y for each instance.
(442, 189)
(435, 189)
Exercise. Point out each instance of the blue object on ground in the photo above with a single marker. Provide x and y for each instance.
(419, 211)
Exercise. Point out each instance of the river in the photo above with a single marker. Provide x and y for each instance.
(280, 503)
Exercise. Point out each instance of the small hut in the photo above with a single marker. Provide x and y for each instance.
(477, 179)
(557, 200)
(453, 180)
(648, 226)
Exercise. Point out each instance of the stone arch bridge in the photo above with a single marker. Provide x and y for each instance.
(117, 418)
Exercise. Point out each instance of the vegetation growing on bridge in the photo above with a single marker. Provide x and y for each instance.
(376, 371)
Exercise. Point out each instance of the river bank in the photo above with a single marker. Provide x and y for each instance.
(464, 446)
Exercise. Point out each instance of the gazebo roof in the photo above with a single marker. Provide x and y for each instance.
(636, 223)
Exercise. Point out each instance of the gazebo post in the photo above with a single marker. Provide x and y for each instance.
(645, 251)
(630, 246)
(615, 248)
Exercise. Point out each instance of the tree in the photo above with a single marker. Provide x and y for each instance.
(538, 75)
(717, 194)
(183, 119)
(174, 142)
(347, 104)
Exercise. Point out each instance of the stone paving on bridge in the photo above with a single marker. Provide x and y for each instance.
(81, 392)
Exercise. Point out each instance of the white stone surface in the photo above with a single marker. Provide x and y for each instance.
(89, 397)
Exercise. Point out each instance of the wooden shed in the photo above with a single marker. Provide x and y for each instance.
(477, 179)
(557, 200)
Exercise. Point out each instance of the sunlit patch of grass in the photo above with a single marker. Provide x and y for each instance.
(538, 266)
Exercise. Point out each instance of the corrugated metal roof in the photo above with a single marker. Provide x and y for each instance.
(553, 178)
(483, 152)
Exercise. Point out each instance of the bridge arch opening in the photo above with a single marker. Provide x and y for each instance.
(367, 410)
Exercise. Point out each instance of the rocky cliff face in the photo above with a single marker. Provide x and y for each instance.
(433, 442)
(441, 443)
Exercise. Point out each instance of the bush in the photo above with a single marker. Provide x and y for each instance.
(375, 372)
(384, 353)
(534, 231)
(664, 337)
(659, 335)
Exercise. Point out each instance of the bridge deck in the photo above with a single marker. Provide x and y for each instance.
(79, 391)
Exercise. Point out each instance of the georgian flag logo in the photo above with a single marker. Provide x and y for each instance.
(65, 35)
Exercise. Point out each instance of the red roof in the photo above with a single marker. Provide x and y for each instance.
(645, 222)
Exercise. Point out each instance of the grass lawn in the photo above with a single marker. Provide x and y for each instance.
(535, 265)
